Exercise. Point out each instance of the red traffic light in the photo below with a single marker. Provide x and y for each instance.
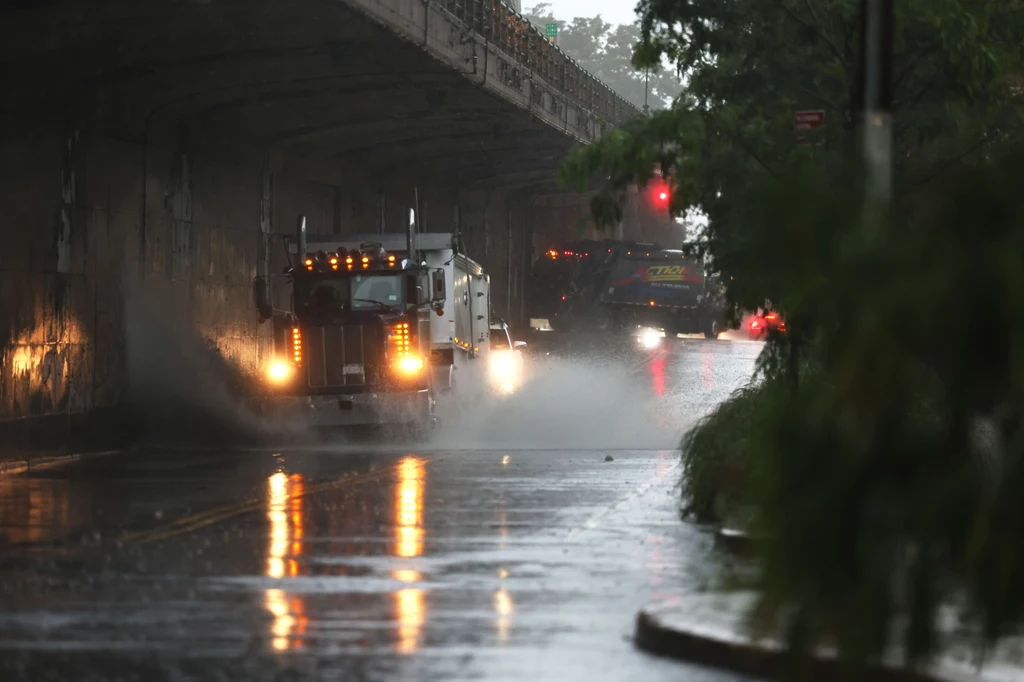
(660, 194)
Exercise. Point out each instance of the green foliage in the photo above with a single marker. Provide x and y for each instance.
(625, 161)
(884, 443)
(751, 64)
(714, 458)
(887, 477)
(607, 52)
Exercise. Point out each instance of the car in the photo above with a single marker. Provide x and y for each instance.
(506, 366)
(763, 323)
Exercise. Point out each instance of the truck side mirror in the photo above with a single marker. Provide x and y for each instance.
(415, 290)
(438, 292)
(261, 294)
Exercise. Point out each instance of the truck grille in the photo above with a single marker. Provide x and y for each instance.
(341, 355)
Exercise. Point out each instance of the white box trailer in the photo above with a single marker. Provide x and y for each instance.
(463, 325)
(472, 303)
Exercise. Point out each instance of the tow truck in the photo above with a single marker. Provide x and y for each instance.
(371, 336)
(602, 286)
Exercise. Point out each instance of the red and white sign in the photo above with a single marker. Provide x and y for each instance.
(810, 118)
(806, 120)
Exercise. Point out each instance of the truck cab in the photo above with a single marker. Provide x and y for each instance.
(355, 347)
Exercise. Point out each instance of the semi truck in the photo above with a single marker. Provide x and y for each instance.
(373, 328)
(602, 286)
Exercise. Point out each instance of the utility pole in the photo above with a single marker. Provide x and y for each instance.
(875, 95)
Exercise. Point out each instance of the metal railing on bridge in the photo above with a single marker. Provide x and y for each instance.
(534, 56)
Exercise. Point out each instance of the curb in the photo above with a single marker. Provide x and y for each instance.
(736, 542)
(768, 660)
(12, 467)
(656, 638)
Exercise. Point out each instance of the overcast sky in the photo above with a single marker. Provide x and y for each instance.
(613, 11)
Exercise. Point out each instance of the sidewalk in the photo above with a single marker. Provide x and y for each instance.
(709, 628)
(15, 463)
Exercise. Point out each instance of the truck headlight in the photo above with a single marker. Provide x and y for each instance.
(410, 364)
(279, 372)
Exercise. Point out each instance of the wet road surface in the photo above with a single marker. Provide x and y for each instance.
(469, 559)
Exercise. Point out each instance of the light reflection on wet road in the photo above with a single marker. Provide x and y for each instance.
(362, 563)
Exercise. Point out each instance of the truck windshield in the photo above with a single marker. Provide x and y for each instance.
(369, 290)
(328, 294)
(499, 340)
(321, 295)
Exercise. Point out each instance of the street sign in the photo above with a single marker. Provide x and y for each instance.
(808, 119)
(551, 32)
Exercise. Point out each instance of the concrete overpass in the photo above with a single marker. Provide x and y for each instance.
(163, 145)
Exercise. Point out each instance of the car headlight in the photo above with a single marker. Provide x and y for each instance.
(502, 364)
(650, 338)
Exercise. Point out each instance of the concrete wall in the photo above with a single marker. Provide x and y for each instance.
(77, 246)
(69, 206)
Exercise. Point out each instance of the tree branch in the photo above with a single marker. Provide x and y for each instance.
(1008, 12)
(844, 112)
(942, 167)
(912, 97)
(844, 29)
(738, 139)
(814, 14)
(914, 61)
(816, 31)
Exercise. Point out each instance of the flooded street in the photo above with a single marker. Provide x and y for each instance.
(518, 545)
